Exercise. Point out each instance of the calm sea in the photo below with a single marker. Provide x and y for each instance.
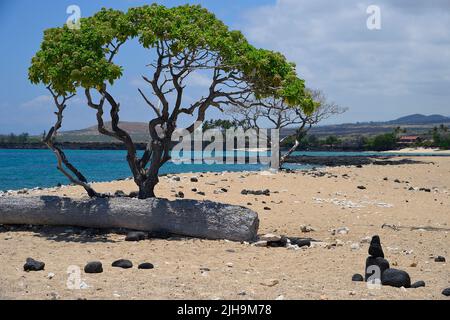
(37, 168)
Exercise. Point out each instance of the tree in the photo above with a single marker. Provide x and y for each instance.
(382, 142)
(183, 40)
(332, 141)
(302, 116)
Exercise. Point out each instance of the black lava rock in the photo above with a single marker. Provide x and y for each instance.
(136, 236)
(122, 263)
(362, 188)
(193, 179)
(93, 267)
(396, 278)
(146, 266)
(418, 284)
(180, 195)
(439, 259)
(278, 244)
(379, 262)
(375, 249)
(446, 292)
(33, 265)
(201, 193)
(134, 194)
(357, 278)
(267, 208)
(300, 242)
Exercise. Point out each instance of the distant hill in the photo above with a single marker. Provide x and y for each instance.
(138, 130)
(421, 119)
(414, 124)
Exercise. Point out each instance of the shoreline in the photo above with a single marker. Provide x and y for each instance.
(316, 162)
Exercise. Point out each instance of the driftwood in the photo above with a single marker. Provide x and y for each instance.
(201, 219)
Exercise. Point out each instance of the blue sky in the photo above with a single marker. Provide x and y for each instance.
(401, 69)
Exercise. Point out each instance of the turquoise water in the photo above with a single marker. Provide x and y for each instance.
(37, 168)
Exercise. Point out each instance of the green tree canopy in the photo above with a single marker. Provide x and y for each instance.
(184, 39)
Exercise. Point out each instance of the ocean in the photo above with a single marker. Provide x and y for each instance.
(37, 168)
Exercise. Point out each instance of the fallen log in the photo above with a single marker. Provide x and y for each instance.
(200, 219)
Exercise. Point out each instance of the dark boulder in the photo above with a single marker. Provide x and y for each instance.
(446, 292)
(379, 262)
(439, 259)
(33, 265)
(375, 249)
(122, 263)
(396, 278)
(300, 242)
(93, 267)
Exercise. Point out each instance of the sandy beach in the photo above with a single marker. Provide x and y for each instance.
(327, 199)
(436, 152)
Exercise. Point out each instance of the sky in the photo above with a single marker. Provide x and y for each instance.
(401, 68)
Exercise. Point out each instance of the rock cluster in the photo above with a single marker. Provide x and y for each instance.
(265, 192)
(97, 267)
(275, 241)
(378, 270)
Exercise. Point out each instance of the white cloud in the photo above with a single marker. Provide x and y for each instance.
(406, 61)
(39, 101)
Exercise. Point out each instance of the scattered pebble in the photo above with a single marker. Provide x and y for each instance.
(260, 244)
(136, 236)
(357, 278)
(93, 267)
(306, 228)
(341, 230)
(418, 284)
(146, 266)
(123, 263)
(33, 265)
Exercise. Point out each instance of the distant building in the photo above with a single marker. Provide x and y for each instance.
(409, 140)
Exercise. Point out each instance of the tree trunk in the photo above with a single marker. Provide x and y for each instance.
(290, 151)
(301, 133)
(201, 219)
